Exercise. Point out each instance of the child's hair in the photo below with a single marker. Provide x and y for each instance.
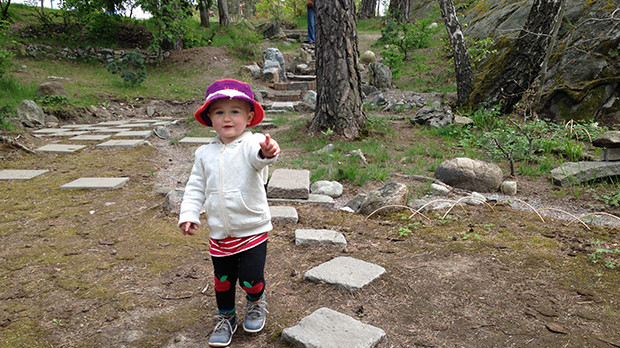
(229, 89)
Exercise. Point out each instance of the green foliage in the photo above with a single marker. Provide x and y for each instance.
(408, 36)
(240, 40)
(6, 56)
(131, 68)
(394, 59)
(605, 254)
(52, 100)
(281, 11)
(5, 114)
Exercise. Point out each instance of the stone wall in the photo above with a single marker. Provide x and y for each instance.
(103, 55)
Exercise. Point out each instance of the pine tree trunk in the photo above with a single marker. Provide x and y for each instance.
(462, 63)
(203, 8)
(367, 9)
(222, 7)
(339, 84)
(400, 10)
(523, 63)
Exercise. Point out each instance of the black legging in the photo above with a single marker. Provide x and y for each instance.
(247, 266)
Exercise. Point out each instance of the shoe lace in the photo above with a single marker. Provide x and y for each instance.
(254, 308)
(223, 323)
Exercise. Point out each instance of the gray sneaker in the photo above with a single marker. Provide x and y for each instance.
(224, 330)
(255, 314)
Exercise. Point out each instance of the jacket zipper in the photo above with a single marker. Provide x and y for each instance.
(221, 191)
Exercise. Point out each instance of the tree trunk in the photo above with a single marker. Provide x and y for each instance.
(339, 84)
(42, 8)
(462, 63)
(5, 9)
(367, 9)
(222, 7)
(399, 9)
(203, 9)
(522, 63)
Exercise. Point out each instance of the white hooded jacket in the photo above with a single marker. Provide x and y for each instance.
(229, 180)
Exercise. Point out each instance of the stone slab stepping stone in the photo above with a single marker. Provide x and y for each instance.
(69, 133)
(96, 183)
(345, 272)
(326, 328)
(135, 134)
(60, 148)
(195, 140)
(289, 183)
(283, 213)
(48, 130)
(111, 123)
(76, 126)
(285, 105)
(322, 200)
(610, 154)
(319, 237)
(135, 125)
(120, 144)
(90, 137)
(20, 174)
(112, 130)
(575, 173)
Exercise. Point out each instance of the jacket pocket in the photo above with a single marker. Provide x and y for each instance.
(234, 211)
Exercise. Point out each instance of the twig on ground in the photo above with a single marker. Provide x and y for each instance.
(184, 297)
(609, 342)
(567, 213)
(516, 199)
(596, 213)
(16, 144)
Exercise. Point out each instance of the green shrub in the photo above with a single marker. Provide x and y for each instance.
(6, 56)
(408, 36)
(131, 68)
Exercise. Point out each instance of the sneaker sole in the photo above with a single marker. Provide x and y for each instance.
(253, 331)
(218, 344)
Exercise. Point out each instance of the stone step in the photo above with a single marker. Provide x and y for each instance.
(295, 86)
(328, 328)
(345, 272)
(319, 237)
(95, 183)
(289, 184)
(21, 174)
(284, 96)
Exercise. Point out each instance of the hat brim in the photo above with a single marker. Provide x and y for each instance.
(202, 118)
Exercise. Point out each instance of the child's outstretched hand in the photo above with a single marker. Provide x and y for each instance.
(188, 228)
(269, 148)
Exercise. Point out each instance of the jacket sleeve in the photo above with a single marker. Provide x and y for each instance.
(194, 196)
(253, 153)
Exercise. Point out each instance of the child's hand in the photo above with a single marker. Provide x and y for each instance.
(269, 148)
(188, 228)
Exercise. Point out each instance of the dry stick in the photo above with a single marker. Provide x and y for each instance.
(609, 342)
(15, 143)
(462, 198)
(394, 206)
(516, 199)
(567, 213)
(437, 200)
(596, 213)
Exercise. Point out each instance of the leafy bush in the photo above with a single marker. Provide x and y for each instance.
(6, 55)
(408, 36)
(131, 68)
(394, 59)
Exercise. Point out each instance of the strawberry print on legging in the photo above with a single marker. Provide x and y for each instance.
(222, 284)
(257, 288)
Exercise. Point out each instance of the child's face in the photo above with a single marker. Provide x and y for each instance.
(230, 117)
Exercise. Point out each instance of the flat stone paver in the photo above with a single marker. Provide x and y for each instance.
(321, 200)
(195, 140)
(283, 213)
(90, 137)
(286, 106)
(112, 130)
(71, 133)
(319, 237)
(575, 173)
(135, 125)
(60, 148)
(49, 130)
(111, 123)
(345, 272)
(20, 174)
(96, 183)
(326, 328)
(289, 183)
(120, 144)
(135, 134)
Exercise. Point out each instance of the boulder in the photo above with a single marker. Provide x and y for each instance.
(50, 88)
(251, 71)
(270, 29)
(30, 114)
(392, 193)
(470, 174)
(379, 75)
(328, 188)
(435, 117)
(172, 202)
(274, 54)
(310, 99)
(368, 57)
(609, 139)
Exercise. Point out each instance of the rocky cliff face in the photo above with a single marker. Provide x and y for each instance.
(583, 77)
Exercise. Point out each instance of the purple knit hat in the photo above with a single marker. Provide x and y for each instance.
(229, 89)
